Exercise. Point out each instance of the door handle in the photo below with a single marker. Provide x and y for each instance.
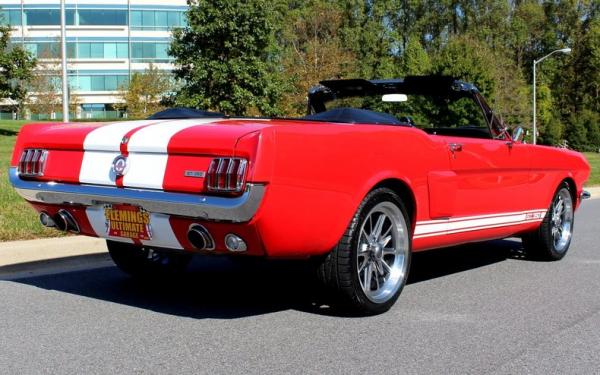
(455, 147)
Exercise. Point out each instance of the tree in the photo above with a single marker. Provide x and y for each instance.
(367, 33)
(313, 52)
(469, 59)
(414, 60)
(227, 57)
(142, 96)
(75, 102)
(16, 69)
(44, 90)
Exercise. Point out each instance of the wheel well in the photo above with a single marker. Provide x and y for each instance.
(572, 188)
(405, 193)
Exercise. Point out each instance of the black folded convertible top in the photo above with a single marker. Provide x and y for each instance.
(183, 113)
(443, 86)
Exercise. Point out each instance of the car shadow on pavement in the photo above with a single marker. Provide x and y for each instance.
(221, 288)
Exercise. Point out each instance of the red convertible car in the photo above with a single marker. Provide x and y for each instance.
(357, 190)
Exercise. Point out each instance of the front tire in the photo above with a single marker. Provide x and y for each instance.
(145, 262)
(552, 240)
(368, 268)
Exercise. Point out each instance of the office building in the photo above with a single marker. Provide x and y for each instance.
(106, 42)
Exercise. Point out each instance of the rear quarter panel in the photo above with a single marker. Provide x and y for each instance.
(321, 173)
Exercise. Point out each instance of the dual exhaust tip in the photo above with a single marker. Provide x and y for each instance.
(197, 234)
(201, 239)
(63, 221)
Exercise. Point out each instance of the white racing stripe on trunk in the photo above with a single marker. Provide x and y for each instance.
(96, 168)
(162, 233)
(146, 171)
(101, 147)
(156, 138)
(148, 152)
(108, 137)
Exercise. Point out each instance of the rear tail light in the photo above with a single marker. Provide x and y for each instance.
(227, 175)
(32, 162)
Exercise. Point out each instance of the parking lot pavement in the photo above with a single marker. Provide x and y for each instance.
(480, 308)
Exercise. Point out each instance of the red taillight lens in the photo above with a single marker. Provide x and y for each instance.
(227, 175)
(32, 162)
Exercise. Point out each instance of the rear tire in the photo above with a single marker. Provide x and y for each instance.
(144, 262)
(552, 240)
(368, 268)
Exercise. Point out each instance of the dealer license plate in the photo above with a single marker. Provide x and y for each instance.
(127, 221)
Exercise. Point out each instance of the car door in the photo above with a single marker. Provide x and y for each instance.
(491, 172)
(491, 176)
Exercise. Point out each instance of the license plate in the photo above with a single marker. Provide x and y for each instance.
(127, 221)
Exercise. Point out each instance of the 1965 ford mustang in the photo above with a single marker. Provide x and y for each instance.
(355, 189)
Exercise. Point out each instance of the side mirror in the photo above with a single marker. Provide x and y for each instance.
(517, 134)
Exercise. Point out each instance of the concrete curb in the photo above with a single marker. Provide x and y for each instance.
(17, 252)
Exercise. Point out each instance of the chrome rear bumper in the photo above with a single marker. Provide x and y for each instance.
(234, 209)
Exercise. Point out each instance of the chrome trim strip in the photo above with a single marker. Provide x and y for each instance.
(234, 209)
(585, 195)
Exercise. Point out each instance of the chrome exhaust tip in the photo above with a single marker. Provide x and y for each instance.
(65, 222)
(46, 220)
(585, 195)
(200, 238)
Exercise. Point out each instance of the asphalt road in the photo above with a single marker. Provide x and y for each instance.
(473, 309)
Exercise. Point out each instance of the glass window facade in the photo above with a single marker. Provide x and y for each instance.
(46, 17)
(11, 17)
(100, 82)
(150, 52)
(140, 19)
(44, 50)
(157, 19)
(80, 50)
(84, 17)
(101, 17)
(101, 73)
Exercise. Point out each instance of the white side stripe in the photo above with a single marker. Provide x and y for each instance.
(463, 218)
(471, 223)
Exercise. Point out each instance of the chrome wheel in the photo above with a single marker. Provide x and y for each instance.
(382, 254)
(562, 220)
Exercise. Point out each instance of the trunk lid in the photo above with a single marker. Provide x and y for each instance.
(160, 154)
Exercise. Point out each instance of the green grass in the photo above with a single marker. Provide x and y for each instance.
(594, 159)
(18, 220)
